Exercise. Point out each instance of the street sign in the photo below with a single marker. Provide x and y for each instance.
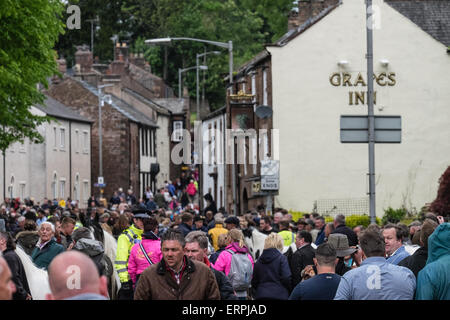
(100, 180)
(270, 175)
(99, 185)
(355, 129)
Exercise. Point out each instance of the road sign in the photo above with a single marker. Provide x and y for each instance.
(99, 185)
(100, 180)
(270, 175)
(355, 129)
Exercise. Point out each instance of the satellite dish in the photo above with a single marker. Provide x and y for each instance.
(263, 112)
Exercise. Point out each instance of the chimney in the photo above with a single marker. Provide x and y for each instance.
(83, 59)
(121, 49)
(307, 9)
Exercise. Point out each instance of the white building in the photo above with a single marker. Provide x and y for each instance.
(311, 90)
(59, 168)
(213, 154)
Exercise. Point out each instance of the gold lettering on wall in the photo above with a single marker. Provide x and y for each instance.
(359, 80)
(392, 78)
(346, 80)
(335, 79)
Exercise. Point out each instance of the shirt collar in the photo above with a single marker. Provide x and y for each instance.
(393, 253)
(374, 260)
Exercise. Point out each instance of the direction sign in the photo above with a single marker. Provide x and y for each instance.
(270, 175)
(355, 129)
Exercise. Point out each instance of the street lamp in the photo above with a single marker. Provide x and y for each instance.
(101, 102)
(199, 55)
(180, 71)
(228, 45)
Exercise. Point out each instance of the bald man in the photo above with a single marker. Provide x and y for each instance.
(72, 275)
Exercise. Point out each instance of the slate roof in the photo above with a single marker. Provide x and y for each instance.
(56, 109)
(291, 34)
(174, 105)
(432, 16)
(123, 107)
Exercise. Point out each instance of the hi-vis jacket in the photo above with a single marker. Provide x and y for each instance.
(124, 244)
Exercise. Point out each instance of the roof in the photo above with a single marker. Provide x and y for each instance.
(291, 34)
(147, 101)
(432, 16)
(215, 113)
(56, 109)
(174, 105)
(123, 107)
(246, 67)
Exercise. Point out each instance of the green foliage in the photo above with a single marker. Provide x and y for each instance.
(248, 23)
(356, 220)
(296, 215)
(30, 29)
(393, 215)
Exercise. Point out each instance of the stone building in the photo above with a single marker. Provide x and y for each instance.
(60, 167)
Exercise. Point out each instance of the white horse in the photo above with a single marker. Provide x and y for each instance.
(37, 278)
(254, 240)
(110, 246)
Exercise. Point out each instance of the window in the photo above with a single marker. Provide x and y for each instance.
(76, 187)
(177, 134)
(54, 186)
(62, 138)
(265, 87)
(54, 138)
(22, 190)
(77, 141)
(86, 190)
(62, 188)
(85, 142)
(11, 188)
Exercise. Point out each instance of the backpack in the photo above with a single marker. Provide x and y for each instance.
(241, 271)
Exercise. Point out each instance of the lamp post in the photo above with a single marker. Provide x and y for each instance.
(92, 21)
(199, 55)
(180, 71)
(101, 102)
(228, 45)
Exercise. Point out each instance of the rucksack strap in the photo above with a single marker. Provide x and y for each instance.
(145, 253)
(231, 251)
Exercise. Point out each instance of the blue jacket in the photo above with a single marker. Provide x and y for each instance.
(272, 276)
(185, 229)
(433, 282)
(398, 256)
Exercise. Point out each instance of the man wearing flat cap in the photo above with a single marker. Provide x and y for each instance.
(232, 223)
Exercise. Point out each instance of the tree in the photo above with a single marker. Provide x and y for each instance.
(30, 29)
(441, 205)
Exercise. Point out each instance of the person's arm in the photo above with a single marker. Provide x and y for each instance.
(296, 269)
(213, 292)
(122, 258)
(143, 288)
(296, 293)
(344, 290)
(425, 289)
(13, 265)
(221, 262)
(285, 274)
(132, 265)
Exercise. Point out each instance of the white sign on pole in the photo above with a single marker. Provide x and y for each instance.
(270, 175)
(100, 180)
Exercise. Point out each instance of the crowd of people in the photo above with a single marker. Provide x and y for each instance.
(168, 249)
